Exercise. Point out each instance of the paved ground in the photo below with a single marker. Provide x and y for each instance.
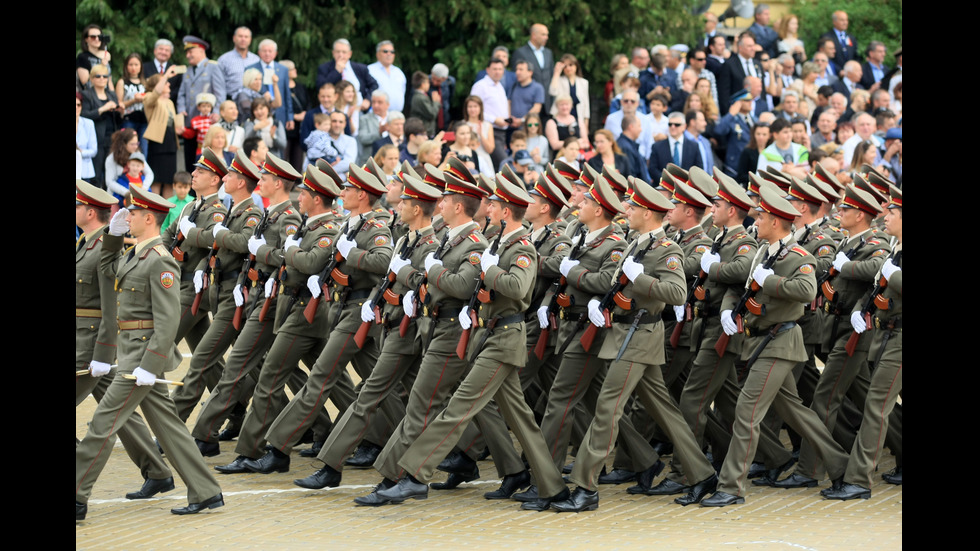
(262, 511)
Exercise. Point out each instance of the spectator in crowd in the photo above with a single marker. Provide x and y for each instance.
(733, 73)
(860, 100)
(348, 105)
(893, 153)
(896, 103)
(125, 142)
(527, 97)
(801, 132)
(85, 142)
(423, 106)
(735, 129)
(275, 82)
(203, 76)
(851, 79)
(765, 36)
(94, 52)
(163, 50)
(631, 129)
(199, 125)
(341, 149)
(675, 149)
(696, 127)
(708, 103)
(845, 45)
(483, 130)
(163, 120)
(710, 30)
(299, 95)
(864, 128)
(570, 152)
(217, 140)
(651, 127)
(252, 78)
(462, 148)
(789, 42)
(629, 81)
(441, 81)
(885, 120)
(430, 152)
(838, 102)
(326, 97)
(228, 112)
(391, 80)
(845, 131)
(873, 69)
(373, 125)
(718, 54)
(654, 80)
(786, 71)
(256, 150)
(782, 153)
(698, 60)
(608, 153)
(567, 81)
(263, 125)
(99, 103)
(826, 123)
(234, 62)
(674, 59)
(537, 143)
(826, 75)
(867, 153)
(389, 159)
(180, 198)
(395, 135)
(342, 68)
(130, 89)
(563, 125)
(760, 100)
(619, 65)
(539, 57)
(415, 136)
(510, 77)
(495, 107)
(748, 159)
(689, 77)
(789, 107)
(521, 162)
(806, 86)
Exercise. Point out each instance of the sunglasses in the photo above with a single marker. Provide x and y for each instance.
(387, 51)
(534, 124)
(700, 59)
(628, 101)
(675, 124)
(95, 36)
(100, 76)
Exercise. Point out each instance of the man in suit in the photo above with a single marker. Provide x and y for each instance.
(342, 68)
(627, 141)
(736, 128)
(738, 66)
(765, 36)
(716, 54)
(373, 126)
(540, 58)
(268, 66)
(675, 149)
(850, 80)
(203, 76)
(874, 68)
(828, 76)
(162, 50)
(846, 45)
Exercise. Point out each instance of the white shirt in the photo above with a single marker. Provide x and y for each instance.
(393, 82)
(350, 77)
(648, 128)
(538, 54)
(494, 99)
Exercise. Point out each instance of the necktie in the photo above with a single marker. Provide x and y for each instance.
(677, 154)
(748, 69)
(163, 68)
(269, 86)
(80, 244)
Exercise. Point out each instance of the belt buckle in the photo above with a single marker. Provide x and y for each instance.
(425, 311)
(877, 322)
(481, 321)
(336, 296)
(561, 313)
(748, 331)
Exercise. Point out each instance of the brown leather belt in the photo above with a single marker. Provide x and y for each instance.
(87, 313)
(135, 324)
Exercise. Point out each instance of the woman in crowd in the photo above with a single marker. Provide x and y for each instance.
(860, 100)
(483, 130)
(92, 54)
(749, 159)
(563, 125)
(124, 143)
(300, 97)
(86, 144)
(462, 148)
(100, 104)
(806, 84)
(537, 143)
(430, 152)
(161, 136)
(263, 125)
(130, 89)
(608, 153)
(845, 130)
(569, 152)
(217, 140)
(347, 104)
(567, 81)
(251, 89)
(618, 66)
(387, 158)
(866, 153)
(703, 88)
(788, 30)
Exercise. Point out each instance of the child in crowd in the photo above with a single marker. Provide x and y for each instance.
(229, 121)
(658, 106)
(415, 136)
(537, 143)
(319, 143)
(181, 196)
(217, 140)
(200, 124)
(521, 160)
(134, 175)
(569, 152)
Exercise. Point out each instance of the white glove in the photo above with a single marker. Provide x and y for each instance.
(185, 225)
(344, 245)
(313, 284)
(367, 313)
(464, 318)
(488, 260)
(566, 265)
(268, 287)
(889, 268)
(709, 258)
(408, 304)
(290, 242)
(840, 260)
(595, 314)
(728, 323)
(397, 263)
(217, 228)
(543, 317)
(632, 268)
(680, 312)
(254, 243)
(239, 297)
(431, 261)
(119, 224)
(98, 369)
(858, 323)
(198, 281)
(144, 377)
(760, 274)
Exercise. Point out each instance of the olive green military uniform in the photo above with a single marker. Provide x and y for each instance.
(364, 266)
(693, 242)
(770, 381)
(660, 283)
(256, 335)
(95, 340)
(147, 280)
(498, 344)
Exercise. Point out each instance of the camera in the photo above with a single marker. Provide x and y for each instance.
(104, 43)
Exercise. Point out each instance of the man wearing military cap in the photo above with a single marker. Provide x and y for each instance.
(400, 354)
(148, 308)
(858, 260)
(580, 187)
(203, 76)
(886, 357)
(773, 346)
(654, 267)
(498, 348)
(93, 335)
(276, 223)
(305, 250)
(449, 275)
(830, 198)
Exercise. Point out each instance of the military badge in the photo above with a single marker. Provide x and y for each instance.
(251, 222)
(879, 252)
(380, 240)
(167, 279)
(324, 242)
(291, 229)
(701, 249)
(561, 247)
(743, 249)
(523, 261)
(474, 258)
(616, 256)
(825, 250)
(806, 269)
(673, 263)
(218, 217)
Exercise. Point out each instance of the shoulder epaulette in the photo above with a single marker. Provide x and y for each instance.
(799, 250)
(217, 203)
(873, 242)
(161, 250)
(473, 237)
(525, 242)
(614, 237)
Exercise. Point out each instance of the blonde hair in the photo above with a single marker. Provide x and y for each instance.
(250, 75)
(212, 132)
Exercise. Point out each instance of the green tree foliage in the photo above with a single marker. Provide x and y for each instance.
(459, 33)
(867, 20)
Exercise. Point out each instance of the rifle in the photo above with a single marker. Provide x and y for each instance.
(559, 298)
(279, 274)
(747, 303)
(479, 293)
(330, 273)
(697, 291)
(382, 291)
(824, 281)
(874, 302)
(248, 271)
(614, 296)
(209, 267)
(179, 238)
(421, 295)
